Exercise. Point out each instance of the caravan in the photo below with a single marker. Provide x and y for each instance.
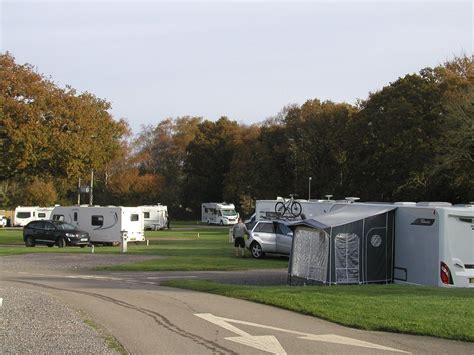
(433, 241)
(155, 217)
(24, 214)
(219, 213)
(105, 225)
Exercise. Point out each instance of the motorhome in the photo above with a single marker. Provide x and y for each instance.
(434, 241)
(221, 213)
(105, 225)
(154, 217)
(26, 214)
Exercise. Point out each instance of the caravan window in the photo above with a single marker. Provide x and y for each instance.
(134, 217)
(58, 217)
(23, 215)
(97, 220)
(146, 215)
(41, 215)
(75, 216)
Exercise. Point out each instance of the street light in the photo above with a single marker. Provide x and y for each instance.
(309, 187)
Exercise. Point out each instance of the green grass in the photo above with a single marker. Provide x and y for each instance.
(438, 312)
(179, 249)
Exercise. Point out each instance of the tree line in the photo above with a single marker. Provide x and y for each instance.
(412, 140)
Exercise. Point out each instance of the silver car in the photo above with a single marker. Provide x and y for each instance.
(269, 237)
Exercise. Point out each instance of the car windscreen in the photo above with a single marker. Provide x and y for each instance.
(229, 212)
(65, 226)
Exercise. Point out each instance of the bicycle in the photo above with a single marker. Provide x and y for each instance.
(290, 206)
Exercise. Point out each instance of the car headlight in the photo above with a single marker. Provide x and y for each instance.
(71, 235)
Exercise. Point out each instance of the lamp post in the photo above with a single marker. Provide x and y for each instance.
(309, 187)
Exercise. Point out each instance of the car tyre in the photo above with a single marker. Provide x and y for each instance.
(256, 250)
(61, 243)
(222, 223)
(50, 245)
(29, 242)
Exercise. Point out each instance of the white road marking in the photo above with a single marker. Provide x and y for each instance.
(266, 343)
(328, 338)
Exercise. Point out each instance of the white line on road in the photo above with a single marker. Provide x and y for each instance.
(328, 338)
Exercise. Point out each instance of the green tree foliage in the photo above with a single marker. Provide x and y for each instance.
(208, 160)
(412, 140)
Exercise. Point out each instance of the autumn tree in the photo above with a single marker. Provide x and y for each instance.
(51, 131)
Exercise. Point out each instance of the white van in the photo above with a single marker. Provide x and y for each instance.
(221, 213)
(154, 217)
(104, 224)
(26, 214)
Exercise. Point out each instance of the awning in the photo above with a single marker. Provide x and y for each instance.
(343, 215)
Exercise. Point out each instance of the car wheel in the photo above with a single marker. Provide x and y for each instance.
(29, 242)
(222, 223)
(256, 250)
(208, 222)
(50, 245)
(61, 242)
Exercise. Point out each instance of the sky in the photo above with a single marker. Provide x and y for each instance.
(241, 59)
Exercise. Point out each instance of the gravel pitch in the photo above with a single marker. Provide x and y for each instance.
(35, 323)
(66, 262)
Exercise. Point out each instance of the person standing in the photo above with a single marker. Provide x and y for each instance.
(238, 232)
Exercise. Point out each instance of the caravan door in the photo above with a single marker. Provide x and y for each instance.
(377, 249)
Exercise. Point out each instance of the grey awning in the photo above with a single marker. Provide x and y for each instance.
(343, 215)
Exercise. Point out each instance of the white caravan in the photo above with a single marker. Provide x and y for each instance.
(434, 245)
(219, 213)
(434, 242)
(26, 214)
(104, 224)
(265, 209)
(154, 217)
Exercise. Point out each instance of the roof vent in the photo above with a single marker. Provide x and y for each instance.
(352, 199)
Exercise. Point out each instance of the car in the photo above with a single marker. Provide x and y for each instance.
(53, 233)
(270, 237)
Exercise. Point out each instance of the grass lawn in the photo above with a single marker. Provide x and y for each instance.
(438, 312)
(181, 246)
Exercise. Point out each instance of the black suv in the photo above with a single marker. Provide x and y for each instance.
(54, 233)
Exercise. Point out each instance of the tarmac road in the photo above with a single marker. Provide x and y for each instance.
(151, 319)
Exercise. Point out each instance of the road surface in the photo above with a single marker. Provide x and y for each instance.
(147, 318)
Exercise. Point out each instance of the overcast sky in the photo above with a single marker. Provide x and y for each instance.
(245, 60)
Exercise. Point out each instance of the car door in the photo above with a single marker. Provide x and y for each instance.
(39, 232)
(264, 234)
(284, 238)
(49, 232)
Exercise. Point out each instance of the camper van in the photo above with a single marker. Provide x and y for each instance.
(26, 214)
(219, 213)
(105, 225)
(154, 217)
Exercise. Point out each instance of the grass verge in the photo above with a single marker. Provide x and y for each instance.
(438, 312)
(111, 342)
(186, 247)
